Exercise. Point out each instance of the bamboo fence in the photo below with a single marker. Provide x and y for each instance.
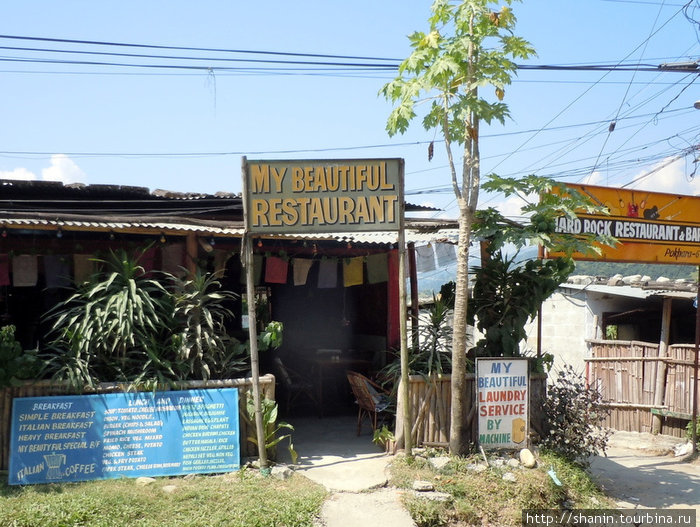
(431, 407)
(626, 374)
(48, 388)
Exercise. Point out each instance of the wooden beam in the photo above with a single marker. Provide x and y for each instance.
(660, 389)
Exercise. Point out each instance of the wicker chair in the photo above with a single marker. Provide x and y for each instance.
(371, 399)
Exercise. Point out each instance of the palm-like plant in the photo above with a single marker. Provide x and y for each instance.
(201, 343)
(112, 326)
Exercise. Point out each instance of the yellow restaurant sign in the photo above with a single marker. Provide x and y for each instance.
(651, 227)
(323, 195)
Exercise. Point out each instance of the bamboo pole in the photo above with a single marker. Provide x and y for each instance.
(660, 388)
(247, 254)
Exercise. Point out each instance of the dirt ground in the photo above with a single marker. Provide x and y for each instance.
(640, 470)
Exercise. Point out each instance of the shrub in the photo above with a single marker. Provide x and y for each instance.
(15, 364)
(574, 415)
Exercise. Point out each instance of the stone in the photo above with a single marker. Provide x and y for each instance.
(476, 467)
(282, 472)
(434, 496)
(142, 481)
(498, 463)
(438, 463)
(683, 449)
(527, 458)
(423, 486)
(509, 476)
(169, 489)
(513, 463)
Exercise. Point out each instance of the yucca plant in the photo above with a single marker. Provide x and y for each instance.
(112, 327)
(201, 343)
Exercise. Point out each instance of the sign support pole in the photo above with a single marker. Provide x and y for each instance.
(693, 425)
(247, 256)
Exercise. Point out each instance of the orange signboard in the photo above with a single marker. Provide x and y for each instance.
(651, 227)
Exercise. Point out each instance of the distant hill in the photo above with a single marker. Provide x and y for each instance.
(674, 272)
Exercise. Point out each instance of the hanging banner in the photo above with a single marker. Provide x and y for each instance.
(292, 197)
(84, 437)
(651, 227)
(502, 386)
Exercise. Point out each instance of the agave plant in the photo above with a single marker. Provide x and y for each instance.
(111, 325)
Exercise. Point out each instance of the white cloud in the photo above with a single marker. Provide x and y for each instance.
(670, 176)
(18, 173)
(63, 169)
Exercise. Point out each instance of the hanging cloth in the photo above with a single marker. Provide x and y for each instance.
(352, 271)
(328, 273)
(377, 268)
(4, 269)
(57, 271)
(445, 253)
(83, 267)
(276, 270)
(172, 257)
(425, 258)
(257, 269)
(301, 270)
(147, 260)
(25, 270)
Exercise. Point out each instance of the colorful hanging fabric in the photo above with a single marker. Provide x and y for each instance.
(172, 257)
(328, 273)
(352, 271)
(377, 268)
(425, 258)
(57, 271)
(25, 270)
(4, 269)
(301, 270)
(83, 267)
(276, 270)
(147, 259)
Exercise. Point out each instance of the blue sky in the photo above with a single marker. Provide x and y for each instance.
(112, 125)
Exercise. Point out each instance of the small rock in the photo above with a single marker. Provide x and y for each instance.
(509, 476)
(142, 482)
(434, 496)
(423, 486)
(498, 463)
(476, 467)
(438, 463)
(513, 463)
(527, 458)
(169, 489)
(281, 472)
(683, 449)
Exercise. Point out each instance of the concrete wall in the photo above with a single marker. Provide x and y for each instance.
(566, 324)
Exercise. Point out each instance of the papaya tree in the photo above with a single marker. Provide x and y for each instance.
(468, 50)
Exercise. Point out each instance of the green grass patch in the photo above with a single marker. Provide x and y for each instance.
(237, 499)
(486, 498)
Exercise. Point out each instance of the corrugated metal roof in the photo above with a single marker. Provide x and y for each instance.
(418, 231)
(629, 291)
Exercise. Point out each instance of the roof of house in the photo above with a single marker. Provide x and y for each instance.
(634, 286)
(48, 205)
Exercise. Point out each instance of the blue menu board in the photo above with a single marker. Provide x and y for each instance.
(85, 437)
